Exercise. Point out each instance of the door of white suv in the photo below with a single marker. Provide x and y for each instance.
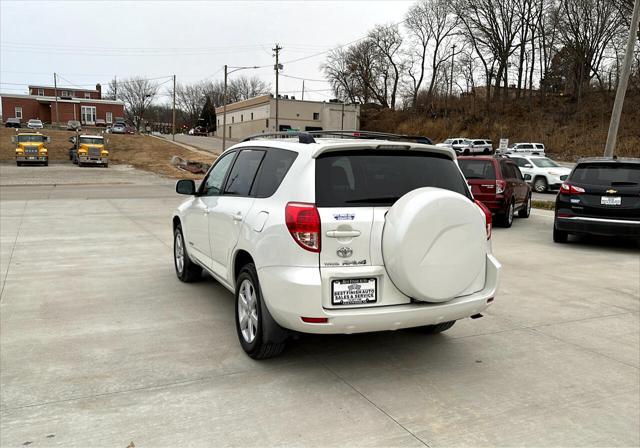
(228, 211)
(196, 219)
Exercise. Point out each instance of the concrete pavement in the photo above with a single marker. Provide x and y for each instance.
(101, 345)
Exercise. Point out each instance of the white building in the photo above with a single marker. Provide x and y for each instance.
(258, 115)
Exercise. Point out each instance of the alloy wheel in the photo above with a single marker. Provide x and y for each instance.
(248, 311)
(179, 252)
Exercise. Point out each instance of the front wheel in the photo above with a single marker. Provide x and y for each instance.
(526, 210)
(259, 335)
(540, 185)
(186, 270)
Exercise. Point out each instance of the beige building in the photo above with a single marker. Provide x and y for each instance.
(258, 116)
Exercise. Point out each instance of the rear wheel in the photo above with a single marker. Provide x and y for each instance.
(540, 185)
(559, 236)
(437, 328)
(186, 270)
(506, 219)
(526, 210)
(259, 335)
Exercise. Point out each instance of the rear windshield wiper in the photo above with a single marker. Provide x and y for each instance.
(381, 199)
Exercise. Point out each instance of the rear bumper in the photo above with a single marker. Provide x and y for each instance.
(599, 226)
(291, 293)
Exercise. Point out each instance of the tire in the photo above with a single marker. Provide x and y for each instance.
(525, 212)
(466, 152)
(506, 219)
(46, 163)
(18, 164)
(486, 151)
(259, 335)
(186, 270)
(540, 185)
(437, 328)
(559, 236)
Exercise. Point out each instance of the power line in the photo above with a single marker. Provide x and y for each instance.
(303, 79)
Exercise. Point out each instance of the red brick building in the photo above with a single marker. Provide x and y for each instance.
(83, 105)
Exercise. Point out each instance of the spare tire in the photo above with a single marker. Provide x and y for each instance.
(434, 245)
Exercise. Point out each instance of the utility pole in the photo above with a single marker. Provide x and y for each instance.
(55, 91)
(342, 118)
(173, 124)
(303, 90)
(453, 54)
(277, 67)
(224, 111)
(622, 83)
(115, 87)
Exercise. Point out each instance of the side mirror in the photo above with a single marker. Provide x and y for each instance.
(527, 177)
(186, 186)
(528, 165)
(47, 139)
(13, 139)
(72, 140)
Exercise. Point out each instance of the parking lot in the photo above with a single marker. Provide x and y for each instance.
(101, 345)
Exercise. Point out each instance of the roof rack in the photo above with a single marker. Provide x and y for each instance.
(308, 136)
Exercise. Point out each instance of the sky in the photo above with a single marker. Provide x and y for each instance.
(87, 42)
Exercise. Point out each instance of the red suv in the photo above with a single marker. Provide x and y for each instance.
(498, 183)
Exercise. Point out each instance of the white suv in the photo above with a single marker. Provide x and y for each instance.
(337, 236)
(541, 172)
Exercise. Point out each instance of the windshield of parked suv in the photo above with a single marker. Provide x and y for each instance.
(371, 178)
(30, 138)
(477, 169)
(607, 174)
(91, 141)
(544, 163)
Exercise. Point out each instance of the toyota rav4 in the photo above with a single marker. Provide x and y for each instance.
(335, 235)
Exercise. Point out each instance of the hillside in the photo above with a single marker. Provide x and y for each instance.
(566, 133)
(141, 151)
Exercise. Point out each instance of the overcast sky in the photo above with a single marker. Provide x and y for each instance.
(88, 42)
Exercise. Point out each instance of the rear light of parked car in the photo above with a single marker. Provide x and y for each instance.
(501, 185)
(487, 216)
(570, 189)
(303, 222)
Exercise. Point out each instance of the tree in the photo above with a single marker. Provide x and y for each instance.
(208, 116)
(137, 94)
(388, 40)
(190, 98)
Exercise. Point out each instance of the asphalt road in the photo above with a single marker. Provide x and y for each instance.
(102, 346)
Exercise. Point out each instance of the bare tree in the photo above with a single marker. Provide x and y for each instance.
(137, 94)
(190, 99)
(388, 40)
(418, 24)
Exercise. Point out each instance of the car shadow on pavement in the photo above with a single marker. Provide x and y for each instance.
(595, 242)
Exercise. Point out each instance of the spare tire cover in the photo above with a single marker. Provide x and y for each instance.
(434, 244)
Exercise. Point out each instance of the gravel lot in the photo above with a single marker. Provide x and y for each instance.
(102, 346)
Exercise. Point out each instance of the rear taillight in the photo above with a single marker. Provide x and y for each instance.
(500, 186)
(303, 222)
(487, 216)
(566, 188)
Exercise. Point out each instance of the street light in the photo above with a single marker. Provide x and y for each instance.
(224, 101)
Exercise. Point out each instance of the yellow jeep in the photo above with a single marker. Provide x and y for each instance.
(30, 148)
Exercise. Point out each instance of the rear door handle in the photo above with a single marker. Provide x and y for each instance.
(343, 233)
(237, 216)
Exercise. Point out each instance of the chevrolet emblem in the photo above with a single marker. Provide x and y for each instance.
(612, 191)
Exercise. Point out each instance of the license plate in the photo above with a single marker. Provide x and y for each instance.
(353, 291)
(31, 158)
(610, 200)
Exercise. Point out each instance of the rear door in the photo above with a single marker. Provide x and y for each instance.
(228, 211)
(612, 190)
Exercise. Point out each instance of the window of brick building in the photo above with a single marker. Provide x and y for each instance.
(19, 112)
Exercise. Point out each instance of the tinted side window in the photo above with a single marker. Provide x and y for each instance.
(213, 183)
(519, 161)
(243, 172)
(516, 172)
(274, 167)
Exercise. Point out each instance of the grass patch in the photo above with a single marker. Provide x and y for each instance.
(543, 205)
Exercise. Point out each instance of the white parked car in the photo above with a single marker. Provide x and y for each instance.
(541, 172)
(476, 146)
(453, 143)
(35, 124)
(337, 236)
(527, 148)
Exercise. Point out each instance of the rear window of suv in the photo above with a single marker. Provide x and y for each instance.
(372, 178)
(477, 169)
(606, 174)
